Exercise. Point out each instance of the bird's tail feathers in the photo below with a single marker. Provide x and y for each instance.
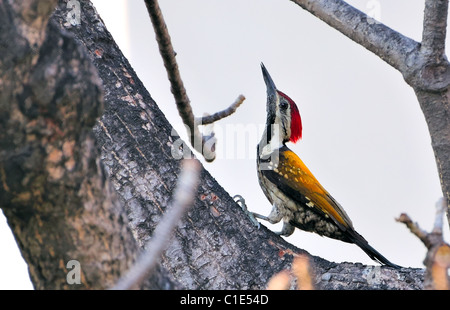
(369, 250)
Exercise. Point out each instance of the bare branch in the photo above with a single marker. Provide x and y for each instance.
(222, 114)
(388, 44)
(414, 228)
(198, 141)
(183, 198)
(434, 28)
(437, 260)
(168, 56)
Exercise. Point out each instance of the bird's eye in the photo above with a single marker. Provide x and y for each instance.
(283, 105)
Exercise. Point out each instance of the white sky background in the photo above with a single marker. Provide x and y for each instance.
(364, 135)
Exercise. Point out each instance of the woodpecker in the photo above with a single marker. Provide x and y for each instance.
(297, 198)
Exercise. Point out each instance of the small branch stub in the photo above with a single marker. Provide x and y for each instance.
(205, 120)
(437, 260)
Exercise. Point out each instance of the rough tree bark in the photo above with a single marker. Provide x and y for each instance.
(58, 200)
(54, 192)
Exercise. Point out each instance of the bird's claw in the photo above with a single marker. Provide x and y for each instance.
(241, 202)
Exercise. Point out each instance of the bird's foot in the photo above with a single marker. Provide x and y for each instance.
(252, 216)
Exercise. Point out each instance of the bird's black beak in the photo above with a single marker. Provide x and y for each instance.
(271, 91)
(271, 88)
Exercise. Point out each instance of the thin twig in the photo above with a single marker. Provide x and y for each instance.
(168, 55)
(222, 114)
(183, 198)
(414, 228)
(201, 143)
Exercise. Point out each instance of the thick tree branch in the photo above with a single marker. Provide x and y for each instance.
(391, 46)
(183, 198)
(436, 109)
(434, 29)
(54, 191)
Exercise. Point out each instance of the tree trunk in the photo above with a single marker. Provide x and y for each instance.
(58, 199)
(62, 208)
(436, 109)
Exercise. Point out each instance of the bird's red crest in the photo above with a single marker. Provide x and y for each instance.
(296, 120)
